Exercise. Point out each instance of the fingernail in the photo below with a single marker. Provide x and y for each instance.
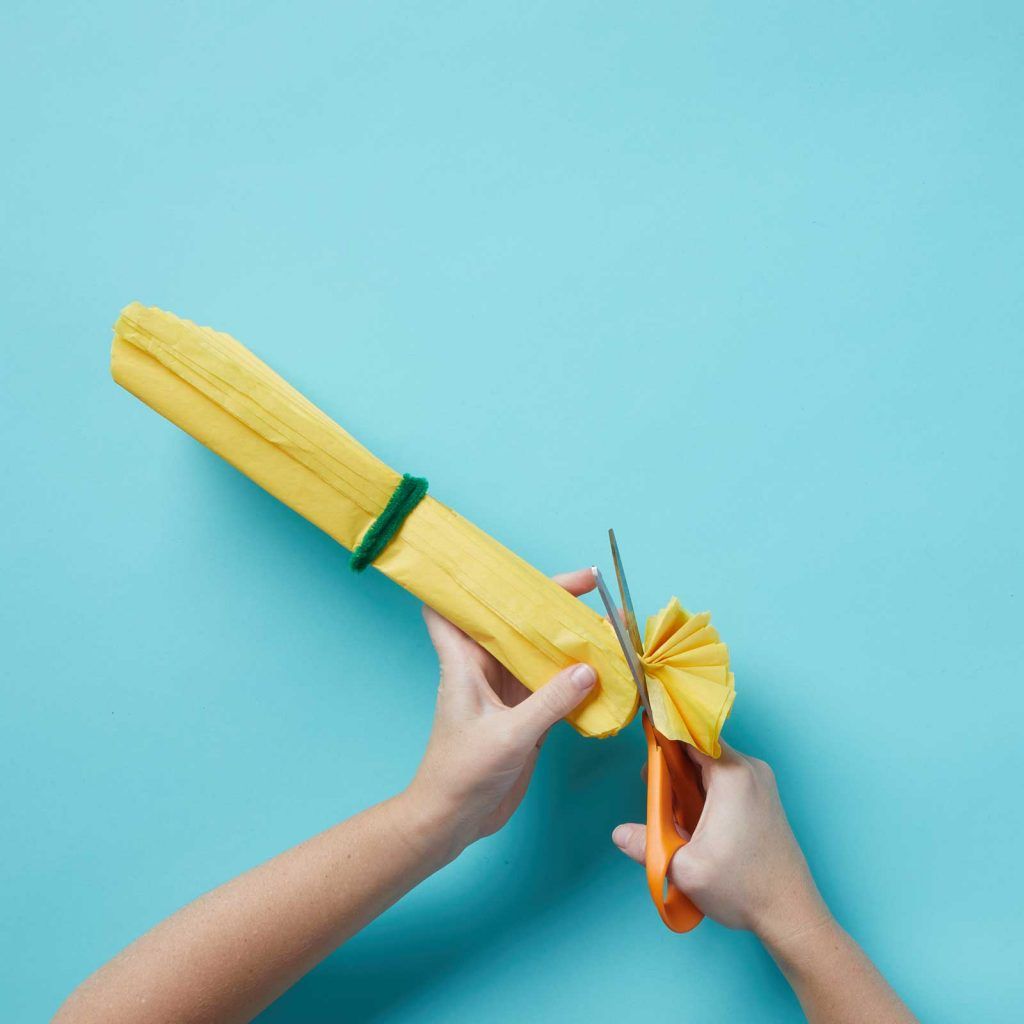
(620, 835)
(584, 677)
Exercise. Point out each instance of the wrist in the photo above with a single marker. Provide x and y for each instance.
(796, 925)
(430, 825)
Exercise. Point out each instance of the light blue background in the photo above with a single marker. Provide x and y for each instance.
(743, 281)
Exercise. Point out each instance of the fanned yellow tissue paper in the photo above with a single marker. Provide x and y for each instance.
(214, 388)
(688, 680)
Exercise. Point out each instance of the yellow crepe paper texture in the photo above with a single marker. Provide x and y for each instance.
(214, 388)
(688, 680)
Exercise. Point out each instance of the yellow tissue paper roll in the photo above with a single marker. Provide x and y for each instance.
(214, 388)
(219, 392)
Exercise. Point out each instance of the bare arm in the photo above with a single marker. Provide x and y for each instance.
(236, 949)
(834, 979)
(229, 954)
(744, 868)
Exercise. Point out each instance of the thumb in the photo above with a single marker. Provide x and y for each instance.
(554, 700)
(632, 841)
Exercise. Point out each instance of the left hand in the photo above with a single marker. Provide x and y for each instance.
(488, 729)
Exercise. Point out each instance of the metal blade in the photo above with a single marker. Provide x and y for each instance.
(627, 601)
(636, 670)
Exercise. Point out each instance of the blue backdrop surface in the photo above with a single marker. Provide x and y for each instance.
(743, 281)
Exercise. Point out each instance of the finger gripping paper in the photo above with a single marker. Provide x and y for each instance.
(214, 388)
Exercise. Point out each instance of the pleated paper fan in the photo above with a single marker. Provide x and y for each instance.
(688, 679)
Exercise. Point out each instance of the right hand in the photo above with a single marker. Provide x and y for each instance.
(742, 866)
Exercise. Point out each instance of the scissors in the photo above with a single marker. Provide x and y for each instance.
(675, 794)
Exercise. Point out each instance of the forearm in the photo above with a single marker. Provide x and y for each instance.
(230, 953)
(832, 977)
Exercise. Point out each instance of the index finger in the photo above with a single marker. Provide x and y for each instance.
(577, 582)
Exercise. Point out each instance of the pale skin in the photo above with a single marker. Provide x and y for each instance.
(744, 868)
(229, 954)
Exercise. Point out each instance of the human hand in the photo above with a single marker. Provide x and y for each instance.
(488, 729)
(743, 866)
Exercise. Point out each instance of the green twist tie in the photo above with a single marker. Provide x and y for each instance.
(406, 497)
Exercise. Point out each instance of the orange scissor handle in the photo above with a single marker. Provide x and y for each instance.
(674, 794)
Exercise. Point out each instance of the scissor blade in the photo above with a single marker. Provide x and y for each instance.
(627, 602)
(636, 670)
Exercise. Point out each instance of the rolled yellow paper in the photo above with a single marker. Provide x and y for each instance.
(215, 389)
